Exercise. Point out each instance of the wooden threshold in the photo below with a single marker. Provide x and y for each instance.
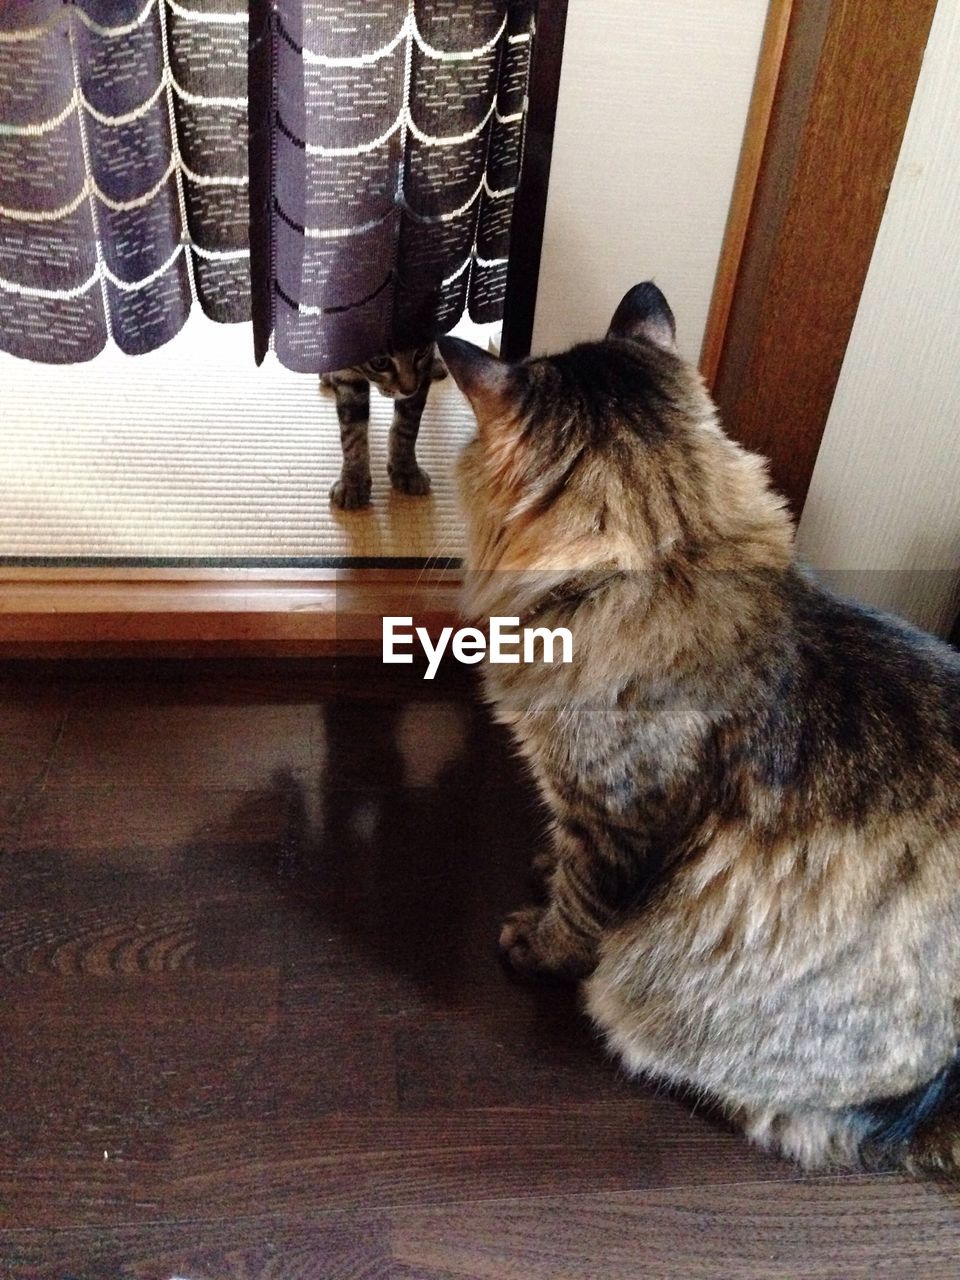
(176, 612)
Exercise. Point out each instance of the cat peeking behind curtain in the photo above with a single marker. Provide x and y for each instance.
(755, 787)
(404, 376)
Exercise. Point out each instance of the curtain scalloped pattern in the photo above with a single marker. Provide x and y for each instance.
(123, 172)
(395, 132)
(385, 141)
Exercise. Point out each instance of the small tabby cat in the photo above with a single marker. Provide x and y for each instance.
(754, 785)
(406, 377)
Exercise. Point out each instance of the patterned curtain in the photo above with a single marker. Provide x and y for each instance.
(395, 131)
(384, 150)
(123, 172)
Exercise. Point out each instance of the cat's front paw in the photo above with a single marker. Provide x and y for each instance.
(534, 940)
(351, 493)
(414, 481)
(521, 943)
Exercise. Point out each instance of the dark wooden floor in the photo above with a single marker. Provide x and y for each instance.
(253, 1023)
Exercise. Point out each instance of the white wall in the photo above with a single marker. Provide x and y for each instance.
(653, 101)
(884, 502)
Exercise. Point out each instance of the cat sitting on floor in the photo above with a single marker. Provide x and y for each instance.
(405, 376)
(754, 862)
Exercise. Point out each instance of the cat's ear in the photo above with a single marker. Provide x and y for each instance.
(488, 383)
(645, 313)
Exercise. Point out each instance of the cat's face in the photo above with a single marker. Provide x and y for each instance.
(401, 374)
(606, 456)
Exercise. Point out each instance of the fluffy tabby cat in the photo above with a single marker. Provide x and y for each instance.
(406, 377)
(754, 786)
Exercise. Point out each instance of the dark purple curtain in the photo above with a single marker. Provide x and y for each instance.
(123, 172)
(384, 150)
(394, 131)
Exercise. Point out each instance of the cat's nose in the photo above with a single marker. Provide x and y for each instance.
(408, 387)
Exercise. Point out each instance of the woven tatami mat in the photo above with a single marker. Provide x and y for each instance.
(193, 454)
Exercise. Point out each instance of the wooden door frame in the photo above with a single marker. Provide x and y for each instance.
(834, 89)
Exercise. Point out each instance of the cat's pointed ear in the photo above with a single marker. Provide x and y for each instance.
(488, 383)
(645, 313)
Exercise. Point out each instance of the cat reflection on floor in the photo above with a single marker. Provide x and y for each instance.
(405, 376)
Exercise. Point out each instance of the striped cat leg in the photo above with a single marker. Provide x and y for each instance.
(562, 936)
(352, 490)
(405, 474)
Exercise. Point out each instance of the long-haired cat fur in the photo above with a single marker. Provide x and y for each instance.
(405, 377)
(754, 860)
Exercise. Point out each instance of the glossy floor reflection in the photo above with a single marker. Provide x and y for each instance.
(253, 1023)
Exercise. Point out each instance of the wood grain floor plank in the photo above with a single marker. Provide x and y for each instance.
(814, 1229)
(809, 1229)
(29, 734)
(254, 1025)
(109, 826)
